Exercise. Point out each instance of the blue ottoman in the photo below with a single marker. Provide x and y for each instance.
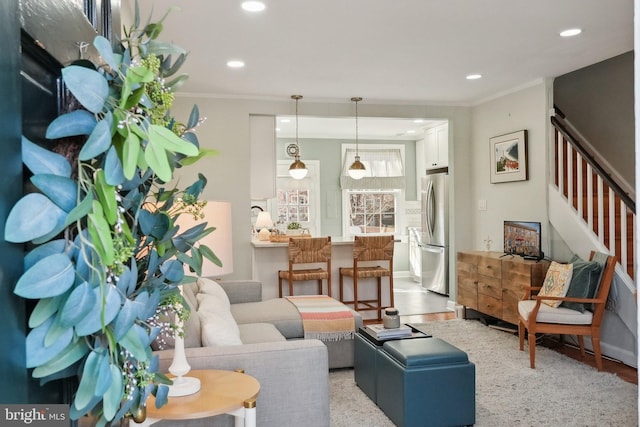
(426, 382)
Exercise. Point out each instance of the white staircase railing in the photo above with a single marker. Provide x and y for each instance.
(595, 198)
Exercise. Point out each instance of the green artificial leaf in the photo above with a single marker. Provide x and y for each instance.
(44, 309)
(164, 48)
(114, 173)
(100, 233)
(104, 375)
(125, 318)
(172, 271)
(57, 333)
(43, 251)
(66, 358)
(102, 312)
(88, 380)
(61, 190)
(204, 152)
(194, 117)
(130, 153)
(177, 83)
(61, 218)
(107, 197)
(208, 254)
(81, 210)
(156, 158)
(154, 224)
(78, 122)
(99, 141)
(81, 300)
(113, 396)
(132, 342)
(134, 98)
(37, 353)
(167, 69)
(103, 45)
(163, 137)
(88, 86)
(162, 395)
(48, 277)
(40, 160)
(139, 74)
(32, 217)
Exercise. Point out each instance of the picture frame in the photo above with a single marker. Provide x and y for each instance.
(509, 157)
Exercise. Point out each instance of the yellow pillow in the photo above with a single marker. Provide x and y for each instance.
(556, 282)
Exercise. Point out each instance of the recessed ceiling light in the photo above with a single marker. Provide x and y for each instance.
(285, 120)
(570, 32)
(474, 76)
(411, 131)
(418, 121)
(253, 6)
(235, 63)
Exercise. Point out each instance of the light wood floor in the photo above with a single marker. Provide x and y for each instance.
(625, 372)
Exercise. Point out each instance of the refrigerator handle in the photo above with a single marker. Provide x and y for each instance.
(430, 209)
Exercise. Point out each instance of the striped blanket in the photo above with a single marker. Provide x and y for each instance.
(324, 318)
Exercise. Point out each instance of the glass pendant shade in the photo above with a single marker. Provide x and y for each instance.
(357, 169)
(298, 169)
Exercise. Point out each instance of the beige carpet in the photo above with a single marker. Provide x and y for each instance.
(559, 392)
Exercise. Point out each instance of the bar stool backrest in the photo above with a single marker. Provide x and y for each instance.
(309, 249)
(373, 248)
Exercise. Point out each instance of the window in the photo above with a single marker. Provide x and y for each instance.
(293, 205)
(373, 204)
(372, 212)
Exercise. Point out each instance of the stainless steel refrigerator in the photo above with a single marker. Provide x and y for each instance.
(435, 231)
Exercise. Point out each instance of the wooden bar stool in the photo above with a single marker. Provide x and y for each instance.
(308, 250)
(370, 248)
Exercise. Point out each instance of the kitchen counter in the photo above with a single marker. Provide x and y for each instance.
(269, 257)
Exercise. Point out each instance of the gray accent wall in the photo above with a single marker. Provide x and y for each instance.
(598, 101)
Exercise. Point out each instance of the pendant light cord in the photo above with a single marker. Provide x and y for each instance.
(357, 99)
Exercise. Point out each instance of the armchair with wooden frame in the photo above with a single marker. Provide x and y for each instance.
(535, 317)
(309, 250)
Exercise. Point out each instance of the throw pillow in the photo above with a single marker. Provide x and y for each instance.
(211, 287)
(219, 328)
(556, 282)
(584, 282)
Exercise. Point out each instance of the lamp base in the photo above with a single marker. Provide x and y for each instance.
(264, 234)
(183, 386)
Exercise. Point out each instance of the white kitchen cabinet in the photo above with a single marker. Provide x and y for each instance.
(436, 147)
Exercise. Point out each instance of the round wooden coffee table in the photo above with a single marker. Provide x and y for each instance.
(221, 392)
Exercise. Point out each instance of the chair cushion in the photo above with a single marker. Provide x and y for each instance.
(365, 272)
(556, 282)
(548, 314)
(584, 282)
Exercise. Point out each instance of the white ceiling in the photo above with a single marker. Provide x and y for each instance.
(388, 51)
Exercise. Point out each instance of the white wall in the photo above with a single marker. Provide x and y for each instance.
(521, 200)
(227, 130)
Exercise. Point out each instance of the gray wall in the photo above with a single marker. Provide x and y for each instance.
(598, 101)
(328, 153)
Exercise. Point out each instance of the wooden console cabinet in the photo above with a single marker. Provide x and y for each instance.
(493, 284)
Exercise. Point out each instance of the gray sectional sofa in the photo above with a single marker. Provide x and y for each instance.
(292, 371)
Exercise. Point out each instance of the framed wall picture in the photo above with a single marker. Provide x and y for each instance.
(509, 157)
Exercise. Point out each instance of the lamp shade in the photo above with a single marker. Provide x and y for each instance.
(216, 214)
(264, 220)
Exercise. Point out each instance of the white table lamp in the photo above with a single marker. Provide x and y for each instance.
(264, 223)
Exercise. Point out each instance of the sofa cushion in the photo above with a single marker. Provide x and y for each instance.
(211, 287)
(253, 333)
(279, 312)
(218, 325)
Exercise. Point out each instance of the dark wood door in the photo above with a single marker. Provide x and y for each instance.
(52, 34)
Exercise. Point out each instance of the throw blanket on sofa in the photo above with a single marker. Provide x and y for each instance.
(324, 318)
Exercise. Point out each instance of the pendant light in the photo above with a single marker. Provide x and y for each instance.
(357, 169)
(297, 170)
